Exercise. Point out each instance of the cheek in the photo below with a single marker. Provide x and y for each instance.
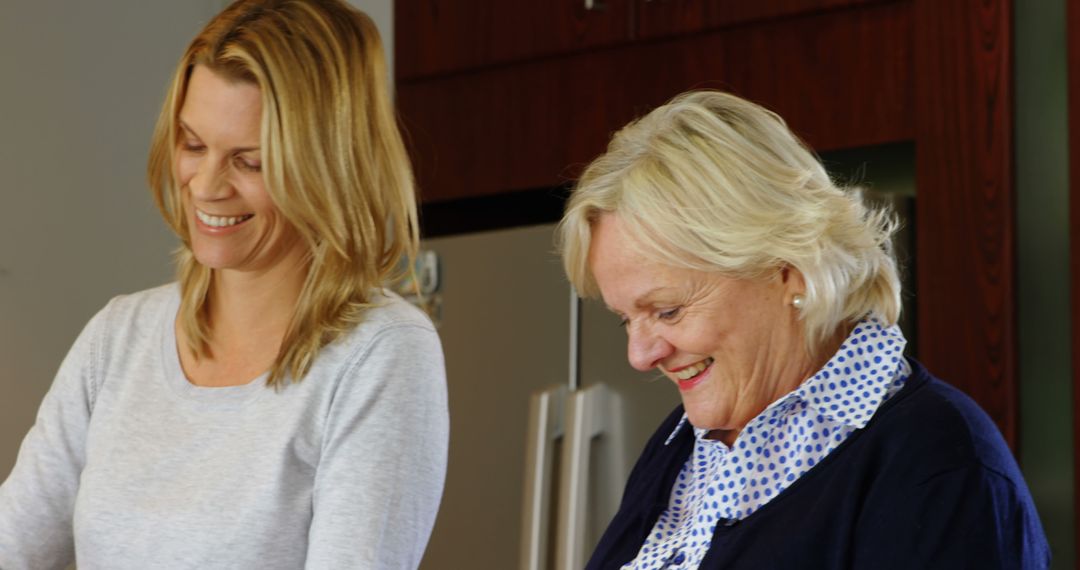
(254, 193)
(186, 167)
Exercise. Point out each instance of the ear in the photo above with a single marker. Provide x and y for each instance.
(793, 282)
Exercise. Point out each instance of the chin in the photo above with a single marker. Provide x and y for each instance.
(213, 260)
(702, 412)
(703, 419)
(215, 255)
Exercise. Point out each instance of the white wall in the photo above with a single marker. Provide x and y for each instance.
(82, 83)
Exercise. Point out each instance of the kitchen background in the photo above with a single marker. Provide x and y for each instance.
(82, 84)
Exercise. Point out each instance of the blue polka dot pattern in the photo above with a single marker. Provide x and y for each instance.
(721, 485)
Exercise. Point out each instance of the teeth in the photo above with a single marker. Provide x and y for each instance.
(220, 221)
(691, 371)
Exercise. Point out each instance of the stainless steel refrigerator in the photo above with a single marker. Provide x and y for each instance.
(540, 447)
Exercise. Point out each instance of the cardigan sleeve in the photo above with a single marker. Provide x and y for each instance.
(37, 501)
(970, 516)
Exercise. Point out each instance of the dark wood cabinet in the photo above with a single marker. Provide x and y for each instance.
(496, 102)
(436, 37)
(838, 78)
(661, 18)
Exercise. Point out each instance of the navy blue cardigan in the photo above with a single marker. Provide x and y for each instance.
(929, 483)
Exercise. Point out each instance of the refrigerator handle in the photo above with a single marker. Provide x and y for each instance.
(590, 413)
(545, 429)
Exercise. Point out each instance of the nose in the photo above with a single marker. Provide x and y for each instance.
(207, 182)
(645, 349)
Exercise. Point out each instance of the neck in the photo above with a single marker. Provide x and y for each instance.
(797, 370)
(827, 349)
(256, 305)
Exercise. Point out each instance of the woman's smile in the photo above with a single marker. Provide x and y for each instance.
(218, 222)
(687, 377)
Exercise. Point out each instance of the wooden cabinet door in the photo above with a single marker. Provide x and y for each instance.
(436, 37)
(659, 18)
(840, 79)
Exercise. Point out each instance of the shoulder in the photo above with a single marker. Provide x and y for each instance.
(132, 318)
(124, 325)
(932, 427)
(945, 490)
(388, 310)
(389, 320)
(152, 297)
(390, 329)
(141, 306)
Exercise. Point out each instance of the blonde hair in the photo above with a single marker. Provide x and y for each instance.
(334, 163)
(715, 183)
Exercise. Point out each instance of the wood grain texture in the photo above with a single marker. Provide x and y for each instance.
(659, 18)
(965, 208)
(840, 79)
(1072, 34)
(436, 37)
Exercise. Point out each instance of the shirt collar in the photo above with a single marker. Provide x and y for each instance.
(854, 382)
(683, 422)
(845, 390)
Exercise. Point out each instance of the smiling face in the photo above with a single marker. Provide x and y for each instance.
(732, 346)
(233, 223)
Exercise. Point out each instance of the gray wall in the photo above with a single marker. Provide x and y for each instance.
(82, 85)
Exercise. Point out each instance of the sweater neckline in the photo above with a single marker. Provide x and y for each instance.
(227, 396)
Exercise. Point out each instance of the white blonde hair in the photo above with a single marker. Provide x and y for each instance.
(715, 183)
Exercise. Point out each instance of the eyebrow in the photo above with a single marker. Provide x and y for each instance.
(643, 301)
(192, 132)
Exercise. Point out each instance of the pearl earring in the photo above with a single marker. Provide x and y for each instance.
(798, 301)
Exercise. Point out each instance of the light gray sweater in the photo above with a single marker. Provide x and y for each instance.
(130, 466)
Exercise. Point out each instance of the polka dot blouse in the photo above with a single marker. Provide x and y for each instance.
(721, 485)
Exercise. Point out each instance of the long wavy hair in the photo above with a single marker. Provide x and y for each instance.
(334, 163)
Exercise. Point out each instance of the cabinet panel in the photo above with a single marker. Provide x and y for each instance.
(440, 36)
(966, 215)
(657, 18)
(840, 80)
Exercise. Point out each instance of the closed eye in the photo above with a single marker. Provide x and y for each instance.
(248, 165)
(669, 314)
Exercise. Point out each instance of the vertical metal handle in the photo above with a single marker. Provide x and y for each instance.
(574, 483)
(545, 428)
(574, 360)
(590, 413)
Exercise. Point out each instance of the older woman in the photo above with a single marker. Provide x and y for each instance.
(769, 297)
(275, 408)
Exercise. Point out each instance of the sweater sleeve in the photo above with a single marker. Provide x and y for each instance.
(37, 500)
(384, 453)
(967, 517)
